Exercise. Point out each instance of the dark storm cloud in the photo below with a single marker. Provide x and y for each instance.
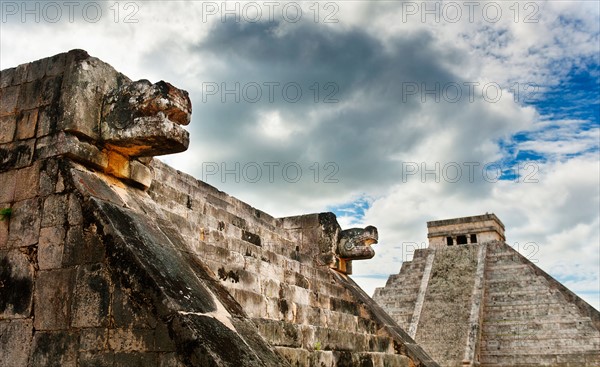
(362, 135)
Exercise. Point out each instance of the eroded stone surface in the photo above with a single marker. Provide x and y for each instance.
(16, 284)
(142, 119)
(355, 244)
(15, 342)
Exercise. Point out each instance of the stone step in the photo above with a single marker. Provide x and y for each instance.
(507, 288)
(395, 305)
(406, 288)
(522, 282)
(402, 315)
(534, 297)
(506, 267)
(396, 308)
(285, 334)
(524, 313)
(521, 272)
(303, 314)
(411, 271)
(414, 264)
(321, 358)
(552, 306)
(408, 276)
(533, 345)
(503, 255)
(401, 298)
(555, 359)
(516, 338)
(544, 328)
(533, 291)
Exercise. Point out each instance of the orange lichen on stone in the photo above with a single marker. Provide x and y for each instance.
(118, 164)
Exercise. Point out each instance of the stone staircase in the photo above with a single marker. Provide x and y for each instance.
(443, 327)
(400, 294)
(431, 298)
(528, 319)
(300, 307)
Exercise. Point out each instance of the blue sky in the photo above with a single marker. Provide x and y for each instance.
(403, 116)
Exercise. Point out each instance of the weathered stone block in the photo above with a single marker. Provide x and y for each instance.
(53, 294)
(7, 183)
(26, 124)
(54, 349)
(280, 333)
(395, 360)
(15, 342)
(16, 154)
(3, 234)
(92, 297)
(48, 176)
(25, 222)
(316, 236)
(296, 357)
(86, 153)
(70, 146)
(323, 358)
(50, 247)
(27, 182)
(8, 125)
(140, 173)
(56, 64)
(118, 165)
(162, 339)
(8, 100)
(49, 146)
(16, 278)
(20, 76)
(93, 339)
(86, 181)
(128, 313)
(82, 247)
(131, 340)
(6, 77)
(29, 95)
(47, 120)
(74, 216)
(169, 360)
(96, 359)
(50, 90)
(55, 210)
(135, 359)
(85, 83)
(36, 70)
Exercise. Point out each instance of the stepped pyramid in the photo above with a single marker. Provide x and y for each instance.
(469, 299)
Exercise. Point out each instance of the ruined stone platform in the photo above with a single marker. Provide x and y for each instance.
(109, 257)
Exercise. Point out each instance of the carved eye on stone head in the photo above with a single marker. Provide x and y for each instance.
(370, 241)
